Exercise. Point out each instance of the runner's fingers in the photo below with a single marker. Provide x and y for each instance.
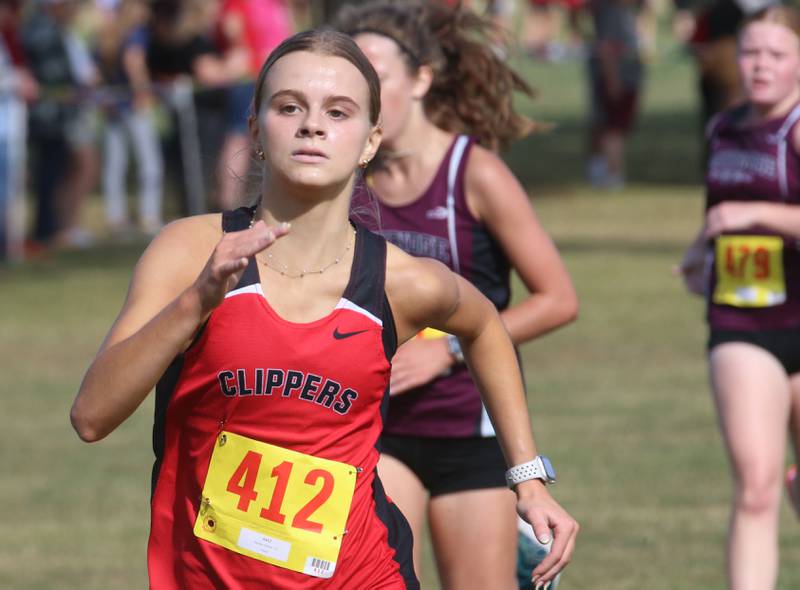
(233, 253)
(541, 528)
(551, 573)
(251, 241)
(560, 555)
(258, 240)
(396, 382)
(563, 531)
(265, 236)
(547, 564)
(228, 267)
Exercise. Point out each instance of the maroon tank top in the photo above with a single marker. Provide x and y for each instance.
(439, 225)
(754, 275)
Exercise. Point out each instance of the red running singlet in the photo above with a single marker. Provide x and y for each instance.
(265, 440)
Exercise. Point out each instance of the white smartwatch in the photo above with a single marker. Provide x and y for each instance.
(539, 468)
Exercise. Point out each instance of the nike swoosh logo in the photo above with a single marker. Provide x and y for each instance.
(342, 335)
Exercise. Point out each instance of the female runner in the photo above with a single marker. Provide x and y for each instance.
(752, 283)
(443, 194)
(268, 334)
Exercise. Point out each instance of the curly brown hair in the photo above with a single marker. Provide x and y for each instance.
(472, 89)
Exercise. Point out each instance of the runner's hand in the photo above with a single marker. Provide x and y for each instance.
(417, 362)
(545, 515)
(229, 260)
(731, 216)
(692, 269)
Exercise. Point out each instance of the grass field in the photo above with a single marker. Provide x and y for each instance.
(619, 399)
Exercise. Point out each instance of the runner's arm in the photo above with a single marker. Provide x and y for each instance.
(174, 288)
(732, 216)
(424, 292)
(500, 202)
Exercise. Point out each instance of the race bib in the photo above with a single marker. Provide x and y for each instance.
(276, 505)
(749, 271)
(431, 333)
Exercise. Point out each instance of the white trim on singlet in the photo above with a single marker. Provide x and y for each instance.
(347, 304)
(254, 288)
(452, 175)
(783, 132)
(487, 428)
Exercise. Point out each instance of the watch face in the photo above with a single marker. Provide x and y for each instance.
(548, 468)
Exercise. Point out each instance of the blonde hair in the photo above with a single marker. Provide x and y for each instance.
(777, 14)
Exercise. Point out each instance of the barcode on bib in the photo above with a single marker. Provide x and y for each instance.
(319, 567)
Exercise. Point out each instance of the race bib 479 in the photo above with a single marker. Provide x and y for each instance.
(749, 271)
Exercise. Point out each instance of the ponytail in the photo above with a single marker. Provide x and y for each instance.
(472, 89)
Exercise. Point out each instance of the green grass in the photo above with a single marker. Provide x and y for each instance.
(619, 399)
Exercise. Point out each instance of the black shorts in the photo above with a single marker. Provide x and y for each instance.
(784, 345)
(449, 465)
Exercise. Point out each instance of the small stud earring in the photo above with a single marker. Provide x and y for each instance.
(363, 164)
(260, 154)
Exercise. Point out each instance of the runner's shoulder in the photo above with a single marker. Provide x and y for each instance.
(182, 247)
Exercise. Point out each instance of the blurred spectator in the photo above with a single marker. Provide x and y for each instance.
(323, 11)
(129, 103)
(543, 23)
(16, 87)
(714, 45)
(615, 75)
(184, 61)
(62, 125)
(647, 25)
(251, 28)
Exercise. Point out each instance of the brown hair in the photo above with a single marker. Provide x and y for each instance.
(777, 14)
(472, 88)
(324, 42)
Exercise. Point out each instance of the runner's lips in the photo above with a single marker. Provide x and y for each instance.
(310, 152)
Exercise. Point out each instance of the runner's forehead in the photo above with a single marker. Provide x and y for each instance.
(318, 76)
(771, 34)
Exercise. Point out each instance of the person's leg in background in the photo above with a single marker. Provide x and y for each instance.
(792, 479)
(80, 134)
(49, 165)
(751, 392)
(147, 150)
(115, 167)
(488, 536)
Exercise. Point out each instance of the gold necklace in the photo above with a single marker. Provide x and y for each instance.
(279, 267)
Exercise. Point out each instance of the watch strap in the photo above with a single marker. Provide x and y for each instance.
(524, 471)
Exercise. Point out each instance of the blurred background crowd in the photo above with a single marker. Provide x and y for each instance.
(143, 103)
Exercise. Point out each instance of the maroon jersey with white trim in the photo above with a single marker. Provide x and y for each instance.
(751, 164)
(317, 388)
(438, 224)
